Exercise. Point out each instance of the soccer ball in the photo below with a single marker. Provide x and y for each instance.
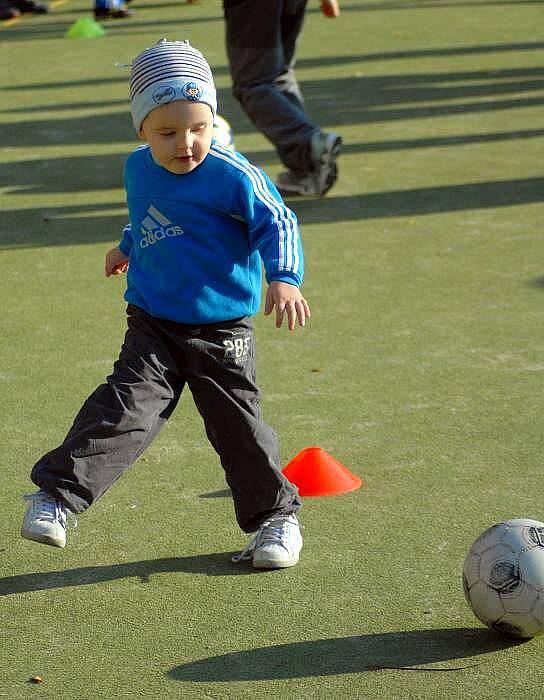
(503, 577)
(222, 132)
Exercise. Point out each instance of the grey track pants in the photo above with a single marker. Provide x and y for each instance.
(260, 38)
(122, 416)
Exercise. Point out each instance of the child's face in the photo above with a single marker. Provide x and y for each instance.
(179, 134)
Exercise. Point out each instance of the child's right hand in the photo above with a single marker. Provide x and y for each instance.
(116, 262)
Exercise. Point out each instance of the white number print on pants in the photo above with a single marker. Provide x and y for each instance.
(237, 349)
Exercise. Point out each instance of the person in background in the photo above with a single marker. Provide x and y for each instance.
(261, 37)
(14, 8)
(111, 9)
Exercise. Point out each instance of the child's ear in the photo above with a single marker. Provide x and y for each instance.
(141, 134)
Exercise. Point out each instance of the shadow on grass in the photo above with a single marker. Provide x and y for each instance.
(536, 283)
(421, 201)
(216, 564)
(105, 171)
(326, 657)
(365, 100)
(84, 224)
(136, 25)
(302, 63)
(223, 493)
(68, 225)
(68, 174)
(56, 30)
(266, 157)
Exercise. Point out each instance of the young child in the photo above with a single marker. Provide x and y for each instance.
(201, 220)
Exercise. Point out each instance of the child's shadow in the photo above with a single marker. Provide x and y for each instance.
(217, 564)
(409, 650)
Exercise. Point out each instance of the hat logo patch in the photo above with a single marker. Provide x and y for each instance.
(164, 93)
(191, 91)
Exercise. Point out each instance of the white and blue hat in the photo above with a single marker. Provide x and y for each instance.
(169, 71)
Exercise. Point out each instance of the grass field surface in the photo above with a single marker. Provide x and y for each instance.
(421, 370)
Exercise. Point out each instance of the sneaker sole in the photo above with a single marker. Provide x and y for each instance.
(286, 192)
(271, 564)
(42, 539)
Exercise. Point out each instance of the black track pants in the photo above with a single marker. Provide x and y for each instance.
(121, 417)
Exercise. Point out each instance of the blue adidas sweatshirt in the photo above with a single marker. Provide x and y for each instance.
(195, 241)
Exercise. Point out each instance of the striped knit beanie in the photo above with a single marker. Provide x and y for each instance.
(169, 71)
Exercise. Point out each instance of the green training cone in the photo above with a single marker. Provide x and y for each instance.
(317, 473)
(85, 28)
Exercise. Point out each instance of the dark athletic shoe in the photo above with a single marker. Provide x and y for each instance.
(325, 151)
(7, 11)
(102, 13)
(35, 7)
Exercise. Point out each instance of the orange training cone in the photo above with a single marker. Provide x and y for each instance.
(317, 473)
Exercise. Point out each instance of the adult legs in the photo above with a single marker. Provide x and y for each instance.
(261, 37)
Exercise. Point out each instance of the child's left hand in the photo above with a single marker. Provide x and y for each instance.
(287, 299)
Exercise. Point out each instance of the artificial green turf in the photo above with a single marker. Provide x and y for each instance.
(421, 369)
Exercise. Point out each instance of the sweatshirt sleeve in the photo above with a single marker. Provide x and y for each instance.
(126, 240)
(272, 226)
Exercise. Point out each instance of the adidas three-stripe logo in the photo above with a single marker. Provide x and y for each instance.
(155, 227)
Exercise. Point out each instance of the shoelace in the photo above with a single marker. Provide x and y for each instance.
(51, 509)
(267, 533)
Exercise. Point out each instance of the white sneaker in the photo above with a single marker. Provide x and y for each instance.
(45, 520)
(276, 544)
